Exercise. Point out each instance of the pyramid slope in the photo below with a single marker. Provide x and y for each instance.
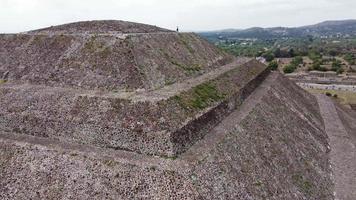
(151, 115)
(162, 122)
(110, 62)
(273, 147)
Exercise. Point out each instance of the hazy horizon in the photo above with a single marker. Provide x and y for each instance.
(195, 15)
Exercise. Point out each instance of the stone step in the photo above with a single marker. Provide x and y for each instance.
(167, 126)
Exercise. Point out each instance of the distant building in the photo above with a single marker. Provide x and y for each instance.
(261, 59)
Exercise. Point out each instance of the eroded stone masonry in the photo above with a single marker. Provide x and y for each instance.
(120, 110)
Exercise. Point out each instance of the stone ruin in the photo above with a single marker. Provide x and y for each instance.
(120, 110)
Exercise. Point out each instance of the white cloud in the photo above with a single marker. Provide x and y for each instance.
(22, 15)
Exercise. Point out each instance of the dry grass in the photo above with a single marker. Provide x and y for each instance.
(344, 97)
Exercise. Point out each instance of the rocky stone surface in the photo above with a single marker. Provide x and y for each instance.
(273, 147)
(164, 127)
(100, 27)
(117, 110)
(108, 62)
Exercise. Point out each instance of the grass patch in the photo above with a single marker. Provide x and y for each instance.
(93, 45)
(258, 183)
(169, 81)
(192, 68)
(343, 97)
(200, 97)
(105, 53)
(304, 185)
(185, 42)
(3, 81)
(169, 157)
(188, 68)
(109, 163)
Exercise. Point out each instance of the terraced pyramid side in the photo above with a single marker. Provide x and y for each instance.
(273, 147)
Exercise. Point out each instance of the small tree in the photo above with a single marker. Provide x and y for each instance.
(297, 61)
(332, 52)
(289, 69)
(268, 56)
(277, 53)
(336, 65)
(350, 58)
(291, 53)
(273, 65)
(316, 65)
(314, 55)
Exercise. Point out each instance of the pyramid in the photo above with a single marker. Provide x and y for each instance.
(121, 110)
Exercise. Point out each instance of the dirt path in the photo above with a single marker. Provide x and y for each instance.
(343, 150)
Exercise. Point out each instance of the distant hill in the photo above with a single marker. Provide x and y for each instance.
(342, 28)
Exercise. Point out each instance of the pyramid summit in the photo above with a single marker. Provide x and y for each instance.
(113, 109)
(100, 27)
(82, 58)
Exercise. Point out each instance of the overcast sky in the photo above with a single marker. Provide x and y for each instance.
(190, 15)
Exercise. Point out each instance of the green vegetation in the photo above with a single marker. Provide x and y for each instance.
(3, 81)
(93, 46)
(350, 58)
(314, 55)
(189, 69)
(105, 53)
(109, 163)
(192, 68)
(294, 64)
(289, 69)
(273, 65)
(269, 56)
(304, 185)
(169, 157)
(199, 97)
(336, 66)
(321, 51)
(317, 66)
(297, 61)
(258, 183)
(186, 43)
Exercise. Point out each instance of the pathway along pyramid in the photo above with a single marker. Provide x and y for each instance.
(113, 109)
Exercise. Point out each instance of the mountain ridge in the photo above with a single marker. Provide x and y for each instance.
(330, 28)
